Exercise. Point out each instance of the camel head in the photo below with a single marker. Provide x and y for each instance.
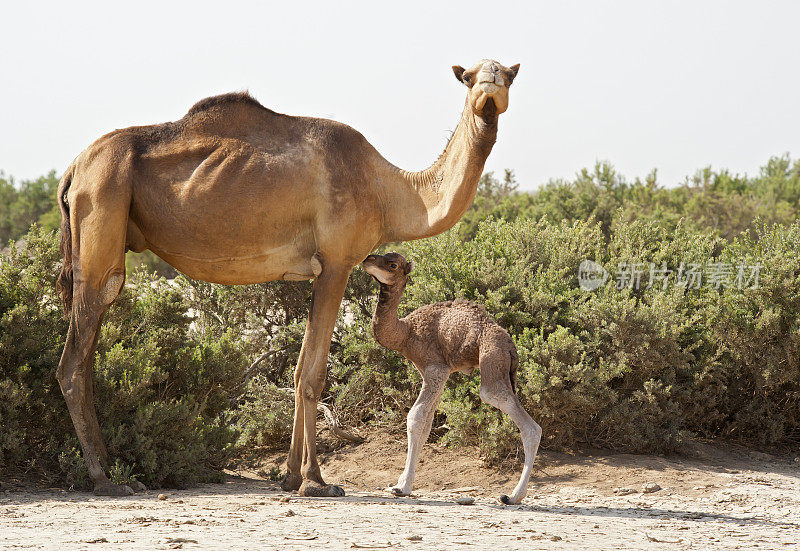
(488, 84)
(389, 269)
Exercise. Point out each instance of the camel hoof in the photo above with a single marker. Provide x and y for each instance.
(291, 482)
(505, 500)
(309, 488)
(115, 490)
(138, 487)
(396, 490)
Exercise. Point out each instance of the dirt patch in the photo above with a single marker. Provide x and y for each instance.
(712, 497)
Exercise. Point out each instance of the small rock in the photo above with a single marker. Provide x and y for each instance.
(414, 538)
(288, 513)
(624, 491)
(466, 500)
(286, 499)
(555, 538)
(650, 487)
(138, 487)
(162, 497)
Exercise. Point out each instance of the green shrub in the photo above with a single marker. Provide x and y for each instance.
(162, 391)
(622, 368)
(265, 417)
(633, 369)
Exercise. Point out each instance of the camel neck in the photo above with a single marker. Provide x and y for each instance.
(426, 203)
(388, 329)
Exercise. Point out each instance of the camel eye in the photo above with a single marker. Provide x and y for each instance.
(393, 265)
(465, 78)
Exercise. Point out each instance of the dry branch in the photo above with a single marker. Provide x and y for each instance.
(335, 427)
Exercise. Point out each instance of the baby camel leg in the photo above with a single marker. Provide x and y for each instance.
(496, 390)
(420, 420)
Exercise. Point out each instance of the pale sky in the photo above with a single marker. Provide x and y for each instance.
(668, 85)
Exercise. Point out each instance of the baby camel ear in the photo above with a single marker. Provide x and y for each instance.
(458, 70)
(515, 69)
(409, 267)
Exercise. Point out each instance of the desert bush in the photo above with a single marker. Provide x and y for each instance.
(749, 389)
(265, 417)
(162, 391)
(188, 373)
(633, 369)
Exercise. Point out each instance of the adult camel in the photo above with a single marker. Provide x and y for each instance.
(235, 193)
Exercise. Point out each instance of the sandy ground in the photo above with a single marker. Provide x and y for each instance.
(710, 498)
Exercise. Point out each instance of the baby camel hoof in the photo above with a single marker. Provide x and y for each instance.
(291, 482)
(109, 489)
(309, 488)
(505, 500)
(398, 491)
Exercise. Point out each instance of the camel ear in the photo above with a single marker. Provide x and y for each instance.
(409, 267)
(514, 71)
(458, 70)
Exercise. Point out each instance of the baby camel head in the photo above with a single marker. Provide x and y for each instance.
(488, 84)
(389, 269)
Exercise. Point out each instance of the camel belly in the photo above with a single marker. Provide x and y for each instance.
(235, 258)
(280, 263)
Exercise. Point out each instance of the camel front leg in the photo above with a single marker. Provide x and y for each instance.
(310, 376)
(420, 421)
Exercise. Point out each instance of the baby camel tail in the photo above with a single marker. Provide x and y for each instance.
(440, 339)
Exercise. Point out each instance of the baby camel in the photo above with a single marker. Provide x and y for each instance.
(440, 339)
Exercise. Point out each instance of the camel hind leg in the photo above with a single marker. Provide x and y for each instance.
(496, 390)
(75, 379)
(97, 221)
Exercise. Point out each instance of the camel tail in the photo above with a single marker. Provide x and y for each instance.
(64, 284)
(512, 373)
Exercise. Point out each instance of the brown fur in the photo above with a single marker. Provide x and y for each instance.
(442, 338)
(235, 193)
(456, 333)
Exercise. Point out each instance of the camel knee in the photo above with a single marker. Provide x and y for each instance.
(71, 383)
(533, 432)
(498, 398)
(310, 387)
(112, 288)
(415, 421)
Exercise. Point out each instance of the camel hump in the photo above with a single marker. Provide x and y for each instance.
(233, 99)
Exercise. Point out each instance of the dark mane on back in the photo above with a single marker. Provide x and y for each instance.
(233, 98)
